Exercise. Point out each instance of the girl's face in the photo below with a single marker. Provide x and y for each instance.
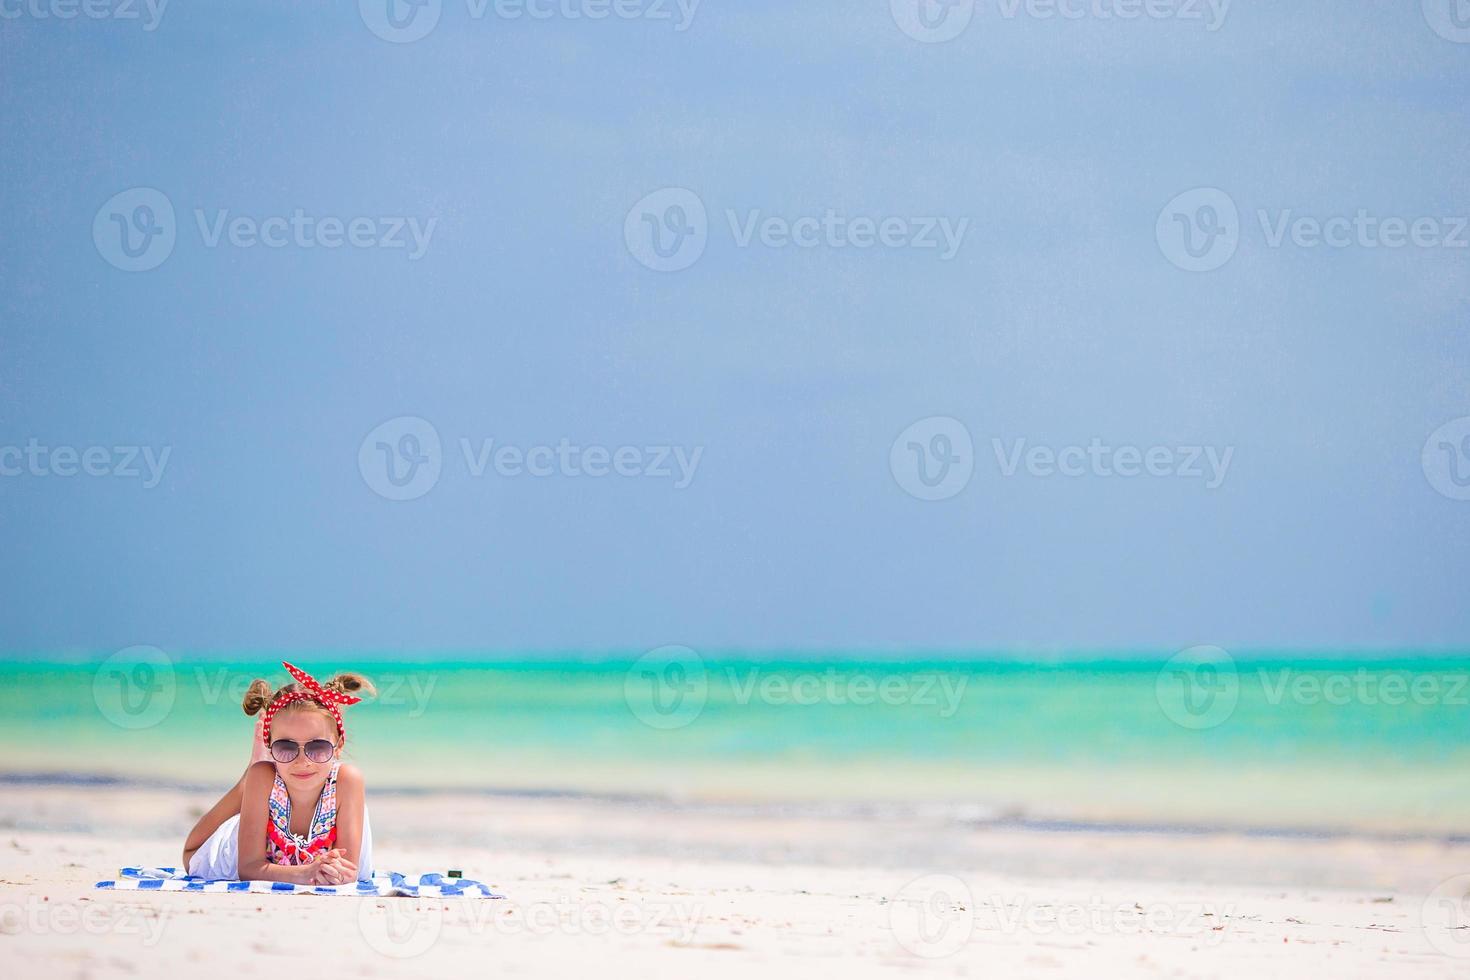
(302, 725)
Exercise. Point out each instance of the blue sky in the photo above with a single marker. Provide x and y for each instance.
(527, 315)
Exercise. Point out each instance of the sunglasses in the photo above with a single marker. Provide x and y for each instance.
(283, 750)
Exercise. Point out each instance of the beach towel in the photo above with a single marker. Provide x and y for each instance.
(382, 885)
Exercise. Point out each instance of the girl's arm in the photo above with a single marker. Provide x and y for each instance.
(227, 807)
(351, 797)
(254, 813)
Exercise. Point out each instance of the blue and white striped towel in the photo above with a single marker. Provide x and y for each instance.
(390, 884)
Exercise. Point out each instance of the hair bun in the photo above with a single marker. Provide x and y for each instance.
(349, 683)
(257, 696)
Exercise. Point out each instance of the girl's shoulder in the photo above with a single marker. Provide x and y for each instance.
(260, 776)
(349, 776)
(261, 770)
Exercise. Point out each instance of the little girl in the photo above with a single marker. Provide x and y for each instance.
(297, 814)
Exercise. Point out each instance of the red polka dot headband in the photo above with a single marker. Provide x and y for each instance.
(312, 691)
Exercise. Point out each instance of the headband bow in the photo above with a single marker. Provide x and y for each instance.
(312, 692)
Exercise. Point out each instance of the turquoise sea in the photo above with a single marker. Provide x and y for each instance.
(1265, 742)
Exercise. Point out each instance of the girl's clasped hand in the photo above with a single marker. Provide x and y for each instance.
(331, 868)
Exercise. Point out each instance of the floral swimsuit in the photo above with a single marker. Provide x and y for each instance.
(284, 847)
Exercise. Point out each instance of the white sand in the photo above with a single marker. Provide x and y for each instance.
(624, 889)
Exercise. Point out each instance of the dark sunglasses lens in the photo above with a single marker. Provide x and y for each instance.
(319, 750)
(284, 750)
